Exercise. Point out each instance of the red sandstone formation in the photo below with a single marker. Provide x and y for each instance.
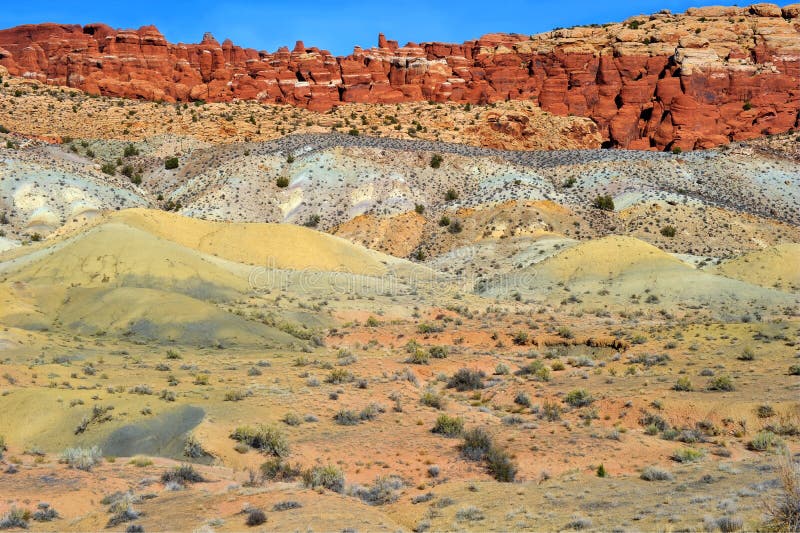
(690, 81)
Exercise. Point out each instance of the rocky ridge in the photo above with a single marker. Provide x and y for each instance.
(666, 81)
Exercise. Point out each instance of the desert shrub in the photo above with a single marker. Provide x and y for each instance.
(657, 421)
(501, 466)
(130, 151)
(82, 458)
(601, 471)
(465, 379)
(419, 357)
(449, 426)
(346, 417)
(171, 163)
(451, 195)
(520, 338)
(282, 182)
(182, 474)
(794, 370)
(437, 352)
(381, 492)
(329, 477)
(266, 439)
(783, 513)
(551, 411)
(728, 524)
(167, 395)
(436, 161)
(339, 376)
(141, 389)
(764, 441)
(287, 505)
(747, 354)
(578, 398)
(604, 202)
(577, 523)
(3, 447)
(765, 411)
(15, 519)
(653, 473)
(477, 443)
(277, 469)
(109, 168)
(292, 419)
(371, 411)
(668, 231)
(721, 383)
(469, 514)
(687, 455)
(433, 399)
(683, 384)
(522, 399)
(44, 513)
(255, 517)
(537, 369)
(193, 448)
(235, 395)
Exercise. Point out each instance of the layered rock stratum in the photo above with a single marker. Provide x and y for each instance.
(663, 81)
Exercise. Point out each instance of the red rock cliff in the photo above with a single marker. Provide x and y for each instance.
(694, 80)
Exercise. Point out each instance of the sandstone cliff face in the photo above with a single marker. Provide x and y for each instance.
(690, 81)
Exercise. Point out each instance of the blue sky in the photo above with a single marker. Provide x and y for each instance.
(335, 25)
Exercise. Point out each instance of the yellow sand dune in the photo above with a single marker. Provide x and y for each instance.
(777, 266)
(280, 245)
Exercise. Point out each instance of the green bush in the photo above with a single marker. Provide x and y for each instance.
(438, 352)
(721, 383)
(652, 473)
(451, 195)
(171, 163)
(282, 182)
(436, 161)
(130, 150)
(683, 384)
(477, 443)
(687, 455)
(346, 417)
(465, 379)
(668, 231)
(433, 399)
(764, 441)
(578, 398)
(449, 426)
(794, 370)
(604, 202)
(266, 439)
(501, 466)
(182, 474)
(329, 477)
(276, 469)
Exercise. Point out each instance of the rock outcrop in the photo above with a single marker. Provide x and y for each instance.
(665, 81)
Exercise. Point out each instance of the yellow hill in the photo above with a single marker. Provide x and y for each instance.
(778, 267)
(280, 245)
(114, 254)
(607, 258)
